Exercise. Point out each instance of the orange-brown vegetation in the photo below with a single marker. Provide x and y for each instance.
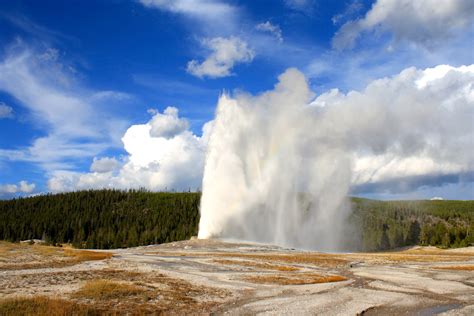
(106, 289)
(294, 278)
(43, 306)
(458, 268)
(253, 264)
(86, 255)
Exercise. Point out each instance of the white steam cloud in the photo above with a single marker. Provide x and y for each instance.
(279, 169)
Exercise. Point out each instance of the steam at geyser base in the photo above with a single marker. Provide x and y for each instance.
(279, 169)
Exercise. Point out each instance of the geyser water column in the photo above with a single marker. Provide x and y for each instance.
(271, 174)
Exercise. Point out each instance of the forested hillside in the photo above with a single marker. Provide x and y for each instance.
(113, 219)
(101, 219)
(390, 224)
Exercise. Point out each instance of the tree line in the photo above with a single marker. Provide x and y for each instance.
(116, 219)
(383, 225)
(101, 219)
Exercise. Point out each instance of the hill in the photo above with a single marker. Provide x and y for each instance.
(114, 219)
(101, 219)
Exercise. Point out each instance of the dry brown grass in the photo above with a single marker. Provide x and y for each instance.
(253, 264)
(43, 306)
(128, 291)
(86, 255)
(294, 278)
(106, 290)
(16, 256)
(458, 268)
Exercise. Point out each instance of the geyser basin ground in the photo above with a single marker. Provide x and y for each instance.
(204, 276)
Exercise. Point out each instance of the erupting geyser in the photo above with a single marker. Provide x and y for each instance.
(268, 176)
(279, 167)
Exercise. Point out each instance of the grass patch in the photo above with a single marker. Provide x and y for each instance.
(87, 255)
(43, 306)
(18, 256)
(294, 279)
(253, 264)
(106, 290)
(458, 268)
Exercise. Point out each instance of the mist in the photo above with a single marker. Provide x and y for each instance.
(280, 165)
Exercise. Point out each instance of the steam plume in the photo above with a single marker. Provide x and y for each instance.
(279, 169)
(265, 179)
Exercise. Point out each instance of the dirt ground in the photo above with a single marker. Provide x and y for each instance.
(216, 277)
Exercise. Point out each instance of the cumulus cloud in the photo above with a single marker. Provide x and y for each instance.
(415, 124)
(424, 22)
(5, 111)
(104, 164)
(163, 154)
(270, 28)
(225, 54)
(21, 187)
(168, 124)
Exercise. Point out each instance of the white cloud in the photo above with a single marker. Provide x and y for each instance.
(270, 28)
(26, 187)
(5, 111)
(168, 124)
(8, 189)
(208, 12)
(72, 116)
(21, 187)
(412, 125)
(424, 22)
(104, 164)
(172, 158)
(225, 54)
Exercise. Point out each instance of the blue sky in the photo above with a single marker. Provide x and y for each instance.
(75, 76)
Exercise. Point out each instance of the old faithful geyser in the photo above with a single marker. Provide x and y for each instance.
(267, 176)
(279, 167)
